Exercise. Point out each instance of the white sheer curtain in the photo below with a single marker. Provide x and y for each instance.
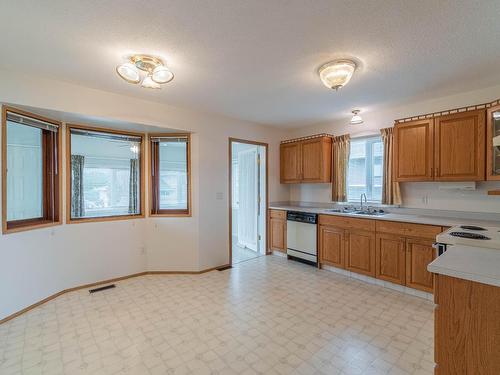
(248, 199)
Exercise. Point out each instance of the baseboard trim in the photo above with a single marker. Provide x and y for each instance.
(53, 296)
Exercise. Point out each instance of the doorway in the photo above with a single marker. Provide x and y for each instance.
(248, 197)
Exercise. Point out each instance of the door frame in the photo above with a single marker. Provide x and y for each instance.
(230, 194)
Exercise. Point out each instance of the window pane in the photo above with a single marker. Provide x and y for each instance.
(105, 176)
(365, 169)
(25, 172)
(173, 176)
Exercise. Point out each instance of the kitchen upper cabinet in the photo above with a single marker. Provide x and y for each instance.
(331, 246)
(390, 261)
(419, 253)
(414, 150)
(277, 230)
(317, 160)
(360, 252)
(493, 143)
(443, 148)
(290, 162)
(306, 161)
(459, 143)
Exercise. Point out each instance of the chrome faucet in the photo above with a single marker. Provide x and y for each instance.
(361, 200)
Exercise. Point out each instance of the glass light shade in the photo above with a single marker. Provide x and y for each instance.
(161, 74)
(128, 72)
(148, 83)
(337, 74)
(356, 118)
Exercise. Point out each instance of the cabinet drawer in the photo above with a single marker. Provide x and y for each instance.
(347, 222)
(408, 230)
(277, 214)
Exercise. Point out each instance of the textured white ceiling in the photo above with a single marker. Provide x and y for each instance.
(257, 60)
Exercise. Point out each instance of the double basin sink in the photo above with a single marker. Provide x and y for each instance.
(370, 211)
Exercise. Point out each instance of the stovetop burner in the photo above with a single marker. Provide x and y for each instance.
(471, 227)
(472, 236)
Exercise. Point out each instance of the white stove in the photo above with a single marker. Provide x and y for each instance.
(471, 235)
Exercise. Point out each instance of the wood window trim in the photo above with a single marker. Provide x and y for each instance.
(152, 183)
(141, 215)
(54, 204)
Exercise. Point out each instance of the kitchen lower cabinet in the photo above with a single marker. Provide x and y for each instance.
(277, 230)
(467, 327)
(390, 258)
(331, 246)
(419, 253)
(391, 251)
(360, 252)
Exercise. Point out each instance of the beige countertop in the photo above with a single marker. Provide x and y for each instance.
(430, 218)
(477, 264)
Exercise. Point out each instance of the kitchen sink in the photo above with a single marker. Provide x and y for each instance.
(351, 211)
(370, 212)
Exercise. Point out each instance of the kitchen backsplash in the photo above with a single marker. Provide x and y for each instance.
(427, 195)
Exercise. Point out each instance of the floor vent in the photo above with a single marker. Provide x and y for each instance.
(224, 268)
(102, 288)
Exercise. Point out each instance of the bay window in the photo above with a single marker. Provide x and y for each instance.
(30, 170)
(105, 174)
(170, 175)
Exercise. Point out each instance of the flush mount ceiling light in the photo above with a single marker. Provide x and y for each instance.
(356, 118)
(156, 71)
(336, 74)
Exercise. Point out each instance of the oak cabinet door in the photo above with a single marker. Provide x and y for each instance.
(277, 234)
(360, 252)
(419, 253)
(290, 162)
(316, 160)
(414, 151)
(390, 258)
(459, 141)
(331, 246)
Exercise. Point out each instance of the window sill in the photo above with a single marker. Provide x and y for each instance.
(102, 219)
(27, 227)
(171, 214)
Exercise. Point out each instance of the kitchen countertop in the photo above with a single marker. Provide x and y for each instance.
(477, 264)
(430, 217)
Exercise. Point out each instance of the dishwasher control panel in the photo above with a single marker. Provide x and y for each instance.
(302, 217)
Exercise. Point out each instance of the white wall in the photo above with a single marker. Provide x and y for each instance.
(36, 264)
(414, 194)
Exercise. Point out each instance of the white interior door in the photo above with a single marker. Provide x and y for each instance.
(248, 193)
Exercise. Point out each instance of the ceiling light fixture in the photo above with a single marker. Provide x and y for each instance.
(356, 118)
(149, 83)
(156, 71)
(336, 74)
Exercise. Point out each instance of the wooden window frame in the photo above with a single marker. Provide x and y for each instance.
(142, 164)
(154, 211)
(52, 177)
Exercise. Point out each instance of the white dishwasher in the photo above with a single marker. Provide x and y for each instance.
(301, 236)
